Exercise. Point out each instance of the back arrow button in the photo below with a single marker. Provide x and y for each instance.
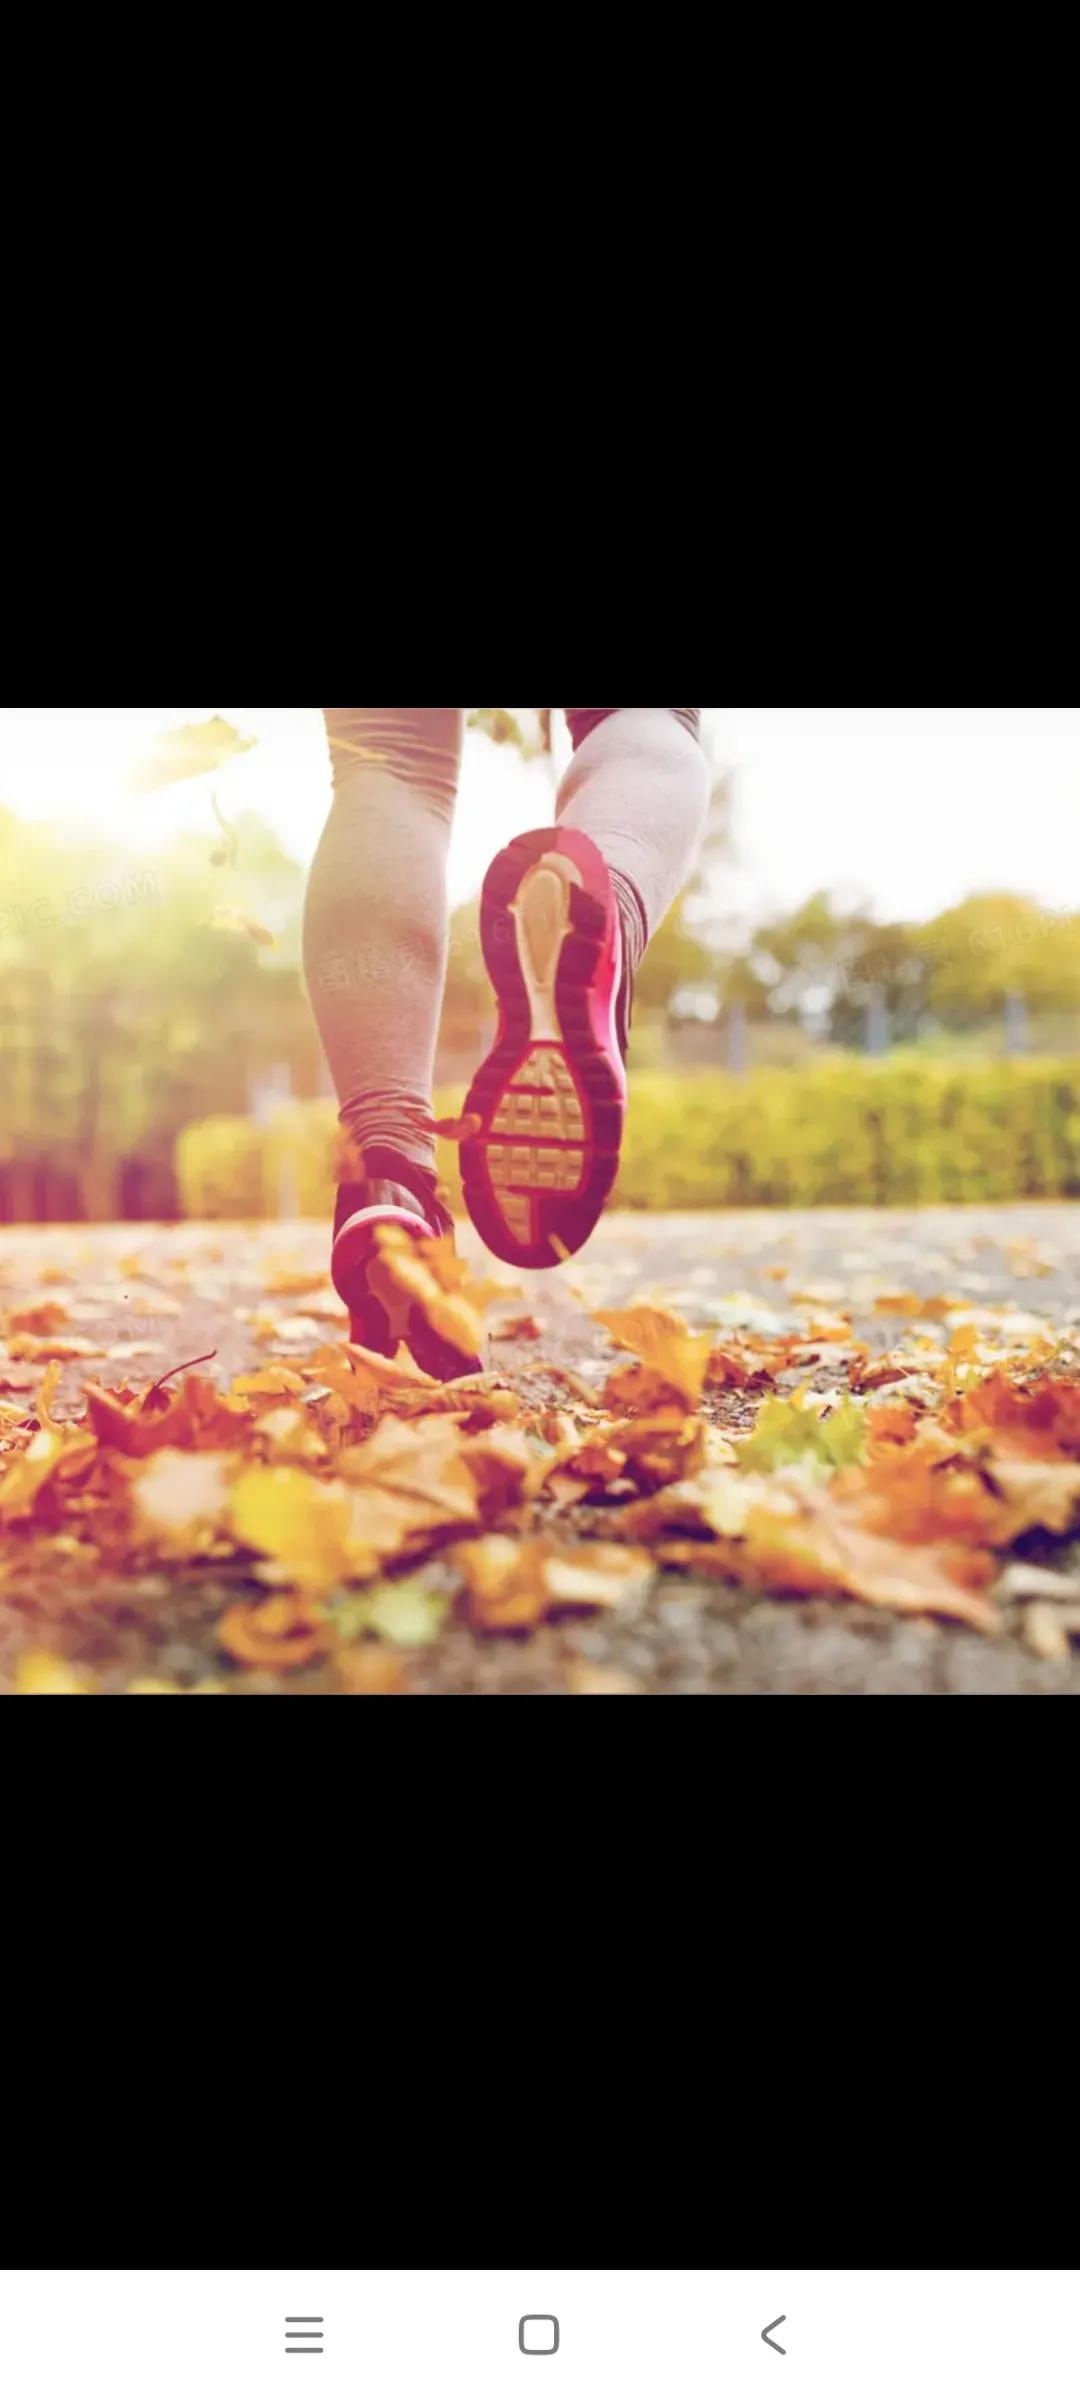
(773, 2328)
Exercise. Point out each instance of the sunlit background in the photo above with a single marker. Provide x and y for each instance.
(910, 809)
(892, 893)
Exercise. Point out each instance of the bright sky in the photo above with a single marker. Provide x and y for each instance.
(911, 808)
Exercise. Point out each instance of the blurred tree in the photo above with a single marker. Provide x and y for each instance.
(996, 945)
(840, 971)
(123, 1012)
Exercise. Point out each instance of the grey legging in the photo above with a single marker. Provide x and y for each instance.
(375, 936)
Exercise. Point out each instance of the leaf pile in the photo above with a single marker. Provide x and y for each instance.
(343, 1510)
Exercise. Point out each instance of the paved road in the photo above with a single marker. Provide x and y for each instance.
(172, 1295)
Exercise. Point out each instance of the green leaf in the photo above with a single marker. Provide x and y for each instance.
(788, 1434)
(411, 1614)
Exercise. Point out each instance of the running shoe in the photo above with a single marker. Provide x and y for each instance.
(551, 1099)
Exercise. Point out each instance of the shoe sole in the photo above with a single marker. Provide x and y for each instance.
(551, 1098)
(356, 1251)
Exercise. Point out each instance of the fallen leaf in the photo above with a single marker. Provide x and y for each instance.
(514, 1585)
(1036, 1492)
(42, 1316)
(412, 1484)
(788, 1433)
(40, 1676)
(183, 1497)
(370, 1672)
(27, 1477)
(1047, 1633)
(409, 1614)
(586, 1682)
(285, 1635)
(816, 1548)
(663, 1343)
(65, 1348)
(305, 1527)
(1023, 1581)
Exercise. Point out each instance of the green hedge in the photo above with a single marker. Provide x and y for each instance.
(897, 1132)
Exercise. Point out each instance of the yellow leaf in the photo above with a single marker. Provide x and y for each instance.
(40, 1676)
(304, 1526)
(272, 1383)
(406, 1276)
(188, 751)
(665, 1344)
(587, 1682)
(27, 1477)
(413, 1483)
(282, 1635)
(233, 920)
(514, 1585)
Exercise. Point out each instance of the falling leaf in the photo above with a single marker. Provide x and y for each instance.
(188, 751)
(459, 1129)
(233, 920)
(228, 849)
(425, 1276)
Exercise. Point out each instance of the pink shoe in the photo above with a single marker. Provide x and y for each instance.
(552, 1096)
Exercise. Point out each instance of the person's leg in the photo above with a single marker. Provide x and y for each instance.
(375, 931)
(638, 785)
(375, 943)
